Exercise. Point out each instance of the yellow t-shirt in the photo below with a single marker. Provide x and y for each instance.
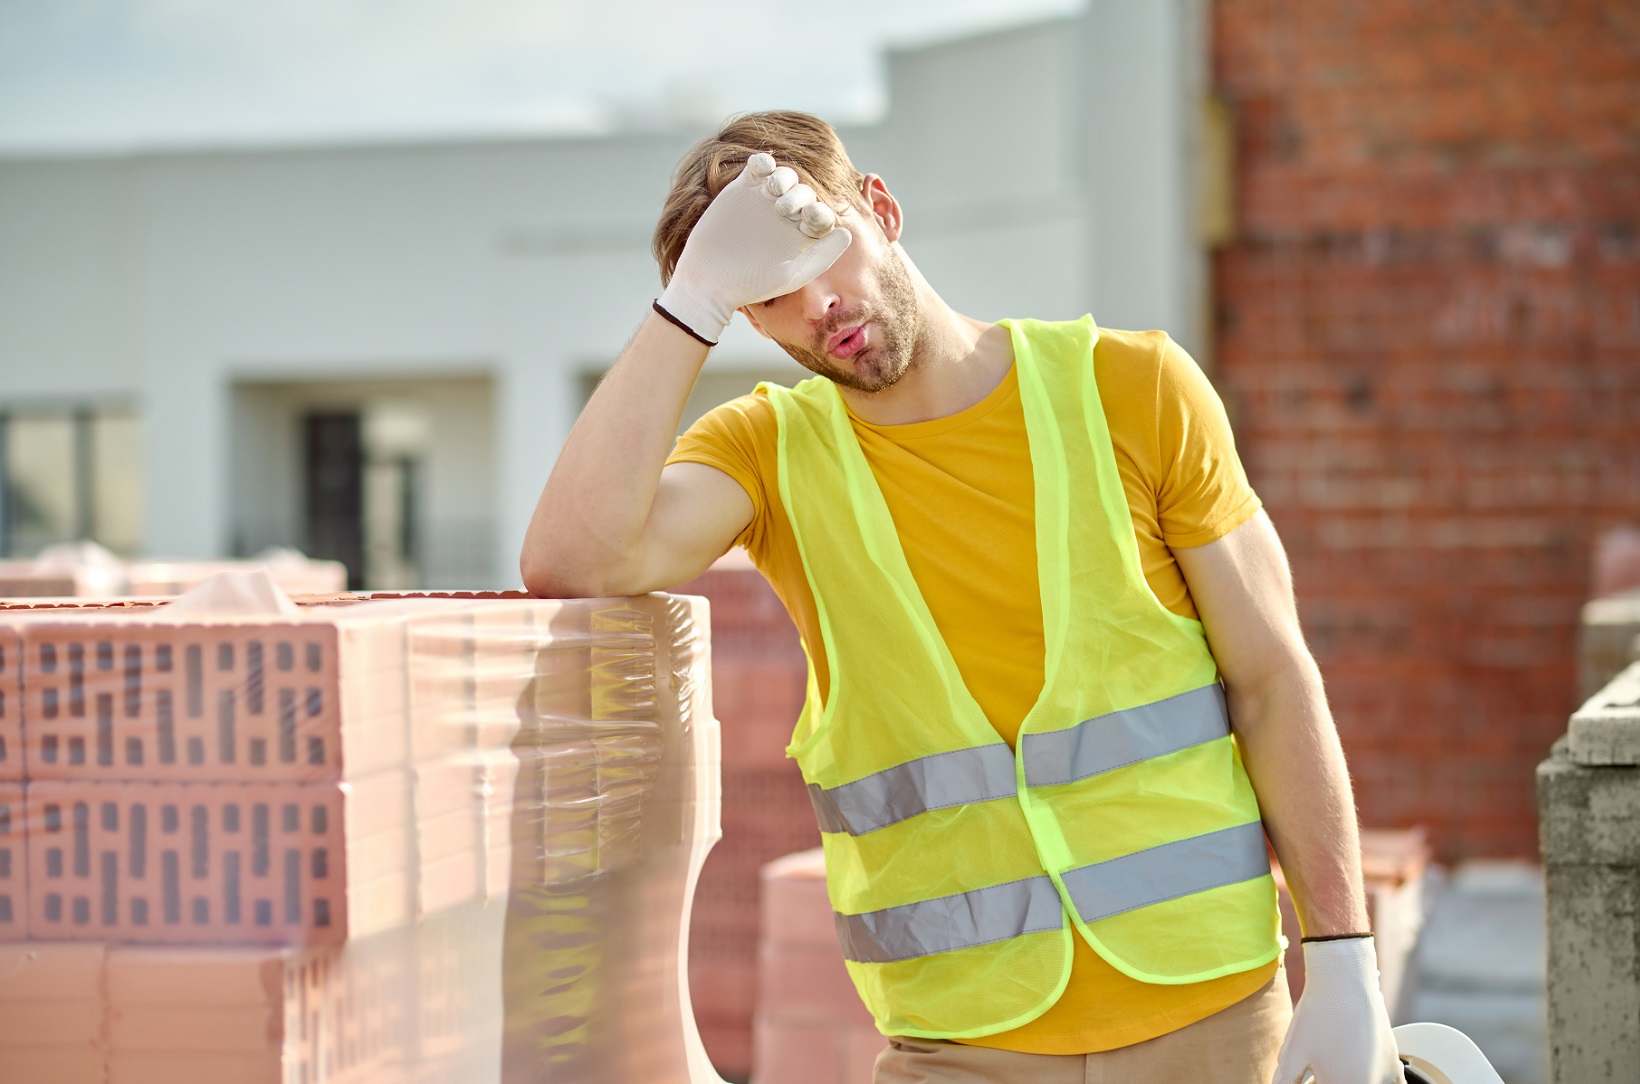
(960, 492)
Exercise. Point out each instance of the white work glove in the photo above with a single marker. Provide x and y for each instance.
(764, 235)
(1340, 1031)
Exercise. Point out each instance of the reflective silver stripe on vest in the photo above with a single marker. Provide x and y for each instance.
(940, 781)
(1126, 737)
(961, 921)
(1180, 868)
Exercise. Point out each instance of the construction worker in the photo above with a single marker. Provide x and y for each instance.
(1058, 694)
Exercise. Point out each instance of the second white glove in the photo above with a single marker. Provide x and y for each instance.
(765, 234)
(1340, 1030)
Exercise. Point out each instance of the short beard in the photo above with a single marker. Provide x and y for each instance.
(894, 347)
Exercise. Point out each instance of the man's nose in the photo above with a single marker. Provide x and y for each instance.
(817, 299)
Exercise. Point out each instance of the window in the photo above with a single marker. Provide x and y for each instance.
(68, 473)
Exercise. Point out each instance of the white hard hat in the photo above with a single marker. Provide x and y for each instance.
(1437, 1054)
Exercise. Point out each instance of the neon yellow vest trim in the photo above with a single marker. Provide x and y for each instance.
(958, 868)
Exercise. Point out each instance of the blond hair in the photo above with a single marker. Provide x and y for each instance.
(804, 142)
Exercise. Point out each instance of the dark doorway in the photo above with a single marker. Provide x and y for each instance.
(333, 490)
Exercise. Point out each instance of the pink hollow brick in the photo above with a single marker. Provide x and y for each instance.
(111, 693)
(11, 704)
(13, 864)
(117, 700)
(201, 863)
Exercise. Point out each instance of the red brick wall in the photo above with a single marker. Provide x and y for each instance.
(757, 689)
(1428, 333)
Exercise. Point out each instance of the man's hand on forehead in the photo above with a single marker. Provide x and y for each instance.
(794, 199)
(765, 234)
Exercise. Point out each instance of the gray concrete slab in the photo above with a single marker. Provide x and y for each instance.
(1480, 964)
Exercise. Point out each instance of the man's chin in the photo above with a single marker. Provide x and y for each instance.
(877, 382)
(867, 371)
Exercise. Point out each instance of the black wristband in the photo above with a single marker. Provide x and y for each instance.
(1334, 937)
(692, 333)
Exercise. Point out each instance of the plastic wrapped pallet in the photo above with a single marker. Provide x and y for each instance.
(294, 573)
(87, 570)
(415, 838)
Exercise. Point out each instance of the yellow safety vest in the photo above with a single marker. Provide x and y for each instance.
(956, 867)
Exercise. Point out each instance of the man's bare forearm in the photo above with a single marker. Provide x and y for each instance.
(585, 534)
(1294, 759)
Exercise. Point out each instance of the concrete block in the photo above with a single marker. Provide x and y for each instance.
(1588, 815)
(1589, 824)
(1606, 729)
(1594, 973)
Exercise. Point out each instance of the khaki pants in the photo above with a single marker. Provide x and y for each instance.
(1235, 1046)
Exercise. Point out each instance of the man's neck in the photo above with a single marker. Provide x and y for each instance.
(956, 361)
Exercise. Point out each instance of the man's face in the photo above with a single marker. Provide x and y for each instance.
(856, 324)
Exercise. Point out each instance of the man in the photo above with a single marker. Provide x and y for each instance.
(1023, 558)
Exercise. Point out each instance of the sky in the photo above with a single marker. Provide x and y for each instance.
(86, 75)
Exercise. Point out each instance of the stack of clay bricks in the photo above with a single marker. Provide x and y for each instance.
(90, 572)
(811, 1027)
(390, 838)
(293, 573)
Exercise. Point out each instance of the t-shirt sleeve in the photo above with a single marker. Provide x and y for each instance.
(728, 437)
(1203, 493)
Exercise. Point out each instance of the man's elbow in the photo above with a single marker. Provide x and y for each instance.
(555, 576)
(540, 581)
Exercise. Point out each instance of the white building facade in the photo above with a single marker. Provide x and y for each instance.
(243, 347)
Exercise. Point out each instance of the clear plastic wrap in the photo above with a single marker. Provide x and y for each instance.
(86, 570)
(418, 838)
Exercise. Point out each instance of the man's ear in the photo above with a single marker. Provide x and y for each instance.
(883, 206)
(746, 311)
